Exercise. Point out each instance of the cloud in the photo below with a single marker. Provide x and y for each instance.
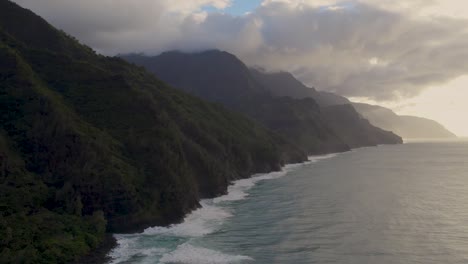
(362, 50)
(379, 49)
(112, 26)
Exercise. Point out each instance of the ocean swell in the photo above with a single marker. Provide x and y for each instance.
(177, 243)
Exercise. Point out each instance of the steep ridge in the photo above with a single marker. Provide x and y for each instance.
(220, 77)
(405, 126)
(348, 124)
(91, 144)
(285, 84)
(355, 130)
(303, 121)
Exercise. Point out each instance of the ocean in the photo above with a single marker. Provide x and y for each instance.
(388, 204)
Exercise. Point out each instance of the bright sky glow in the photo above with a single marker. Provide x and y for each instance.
(446, 104)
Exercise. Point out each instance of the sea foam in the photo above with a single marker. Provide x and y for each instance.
(202, 221)
(189, 254)
(129, 246)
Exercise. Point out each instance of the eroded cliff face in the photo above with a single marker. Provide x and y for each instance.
(315, 126)
(90, 143)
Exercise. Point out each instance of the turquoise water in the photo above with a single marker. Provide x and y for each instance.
(389, 204)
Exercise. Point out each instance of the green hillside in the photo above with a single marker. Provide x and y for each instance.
(91, 144)
(308, 122)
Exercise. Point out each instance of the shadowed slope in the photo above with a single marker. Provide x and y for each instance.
(221, 77)
(406, 126)
(89, 143)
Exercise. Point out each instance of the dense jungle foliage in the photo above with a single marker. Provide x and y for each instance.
(91, 144)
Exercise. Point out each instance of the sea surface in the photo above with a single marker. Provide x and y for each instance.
(388, 204)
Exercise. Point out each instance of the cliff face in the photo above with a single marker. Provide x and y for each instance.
(355, 130)
(405, 126)
(221, 77)
(90, 143)
(285, 84)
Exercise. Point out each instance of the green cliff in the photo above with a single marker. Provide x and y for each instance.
(91, 144)
(221, 77)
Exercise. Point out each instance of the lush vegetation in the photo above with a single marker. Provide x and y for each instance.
(221, 77)
(91, 144)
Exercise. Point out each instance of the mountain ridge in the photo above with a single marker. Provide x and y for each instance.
(92, 144)
(276, 82)
(303, 120)
(404, 125)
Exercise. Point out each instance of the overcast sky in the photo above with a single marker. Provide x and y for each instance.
(410, 55)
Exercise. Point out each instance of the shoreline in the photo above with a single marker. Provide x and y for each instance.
(101, 255)
(104, 256)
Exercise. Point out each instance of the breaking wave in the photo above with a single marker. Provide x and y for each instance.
(177, 243)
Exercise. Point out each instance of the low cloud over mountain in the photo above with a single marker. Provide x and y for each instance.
(382, 50)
